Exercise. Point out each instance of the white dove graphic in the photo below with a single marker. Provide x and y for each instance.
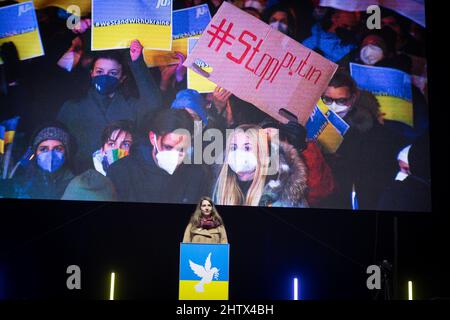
(206, 273)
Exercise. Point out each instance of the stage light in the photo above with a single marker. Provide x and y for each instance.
(111, 290)
(296, 289)
(410, 290)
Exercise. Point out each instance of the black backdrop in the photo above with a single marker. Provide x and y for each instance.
(328, 249)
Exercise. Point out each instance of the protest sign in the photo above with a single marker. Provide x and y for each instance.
(18, 24)
(196, 81)
(187, 23)
(412, 9)
(260, 65)
(391, 87)
(116, 23)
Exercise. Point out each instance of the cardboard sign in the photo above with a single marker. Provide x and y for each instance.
(391, 87)
(196, 81)
(18, 24)
(261, 65)
(115, 23)
(204, 271)
(187, 23)
(412, 9)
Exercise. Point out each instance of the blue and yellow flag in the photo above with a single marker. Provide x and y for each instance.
(204, 271)
(196, 81)
(326, 128)
(10, 126)
(84, 5)
(18, 24)
(2, 139)
(115, 23)
(187, 23)
(391, 87)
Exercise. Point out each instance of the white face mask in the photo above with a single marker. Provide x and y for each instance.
(401, 176)
(341, 111)
(242, 161)
(371, 54)
(254, 4)
(167, 160)
(280, 26)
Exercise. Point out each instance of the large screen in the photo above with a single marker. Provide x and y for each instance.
(296, 104)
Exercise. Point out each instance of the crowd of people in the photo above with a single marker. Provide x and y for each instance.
(101, 125)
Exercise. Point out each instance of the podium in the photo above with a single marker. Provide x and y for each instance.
(204, 271)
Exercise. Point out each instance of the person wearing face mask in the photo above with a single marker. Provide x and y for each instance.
(413, 193)
(117, 139)
(156, 169)
(334, 36)
(366, 157)
(254, 174)
(280, 18)
(205, 225)
(107, 101)
(48, 173)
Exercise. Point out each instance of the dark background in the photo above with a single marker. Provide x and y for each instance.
(329, 250)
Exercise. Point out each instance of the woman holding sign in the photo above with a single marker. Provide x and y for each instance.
(259, 170)
(206, 225)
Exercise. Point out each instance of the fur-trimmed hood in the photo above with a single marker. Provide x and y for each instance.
(288, 188)
(364, 113)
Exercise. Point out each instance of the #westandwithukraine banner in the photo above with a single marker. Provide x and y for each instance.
(196, 81)
(115, 23)
(326, 128)
(391, 87)
(18, 24)
(412, 9)
(187, 23)
(204, 271)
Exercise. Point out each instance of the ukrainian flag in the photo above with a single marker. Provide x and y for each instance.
(10, 127)
(204, 271)
(18, 24)
(391, 87)
(2, 139)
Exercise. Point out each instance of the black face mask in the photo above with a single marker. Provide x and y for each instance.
(347, 36)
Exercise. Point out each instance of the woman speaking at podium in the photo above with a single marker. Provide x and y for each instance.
(206, 225)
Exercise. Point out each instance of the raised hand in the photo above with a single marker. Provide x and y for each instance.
(135, 50)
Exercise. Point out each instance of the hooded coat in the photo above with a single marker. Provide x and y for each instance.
(289, 187)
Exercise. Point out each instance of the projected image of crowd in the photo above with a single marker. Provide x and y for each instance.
(77, 124)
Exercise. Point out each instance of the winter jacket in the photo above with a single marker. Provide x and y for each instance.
(32, 182)
(288, 188)
(366, 159)
(194, 234)
(86, 118)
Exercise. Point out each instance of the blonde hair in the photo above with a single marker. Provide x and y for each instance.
(227, 190)
(197, 215)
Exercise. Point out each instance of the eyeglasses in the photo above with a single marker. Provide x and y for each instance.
(340, 101)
